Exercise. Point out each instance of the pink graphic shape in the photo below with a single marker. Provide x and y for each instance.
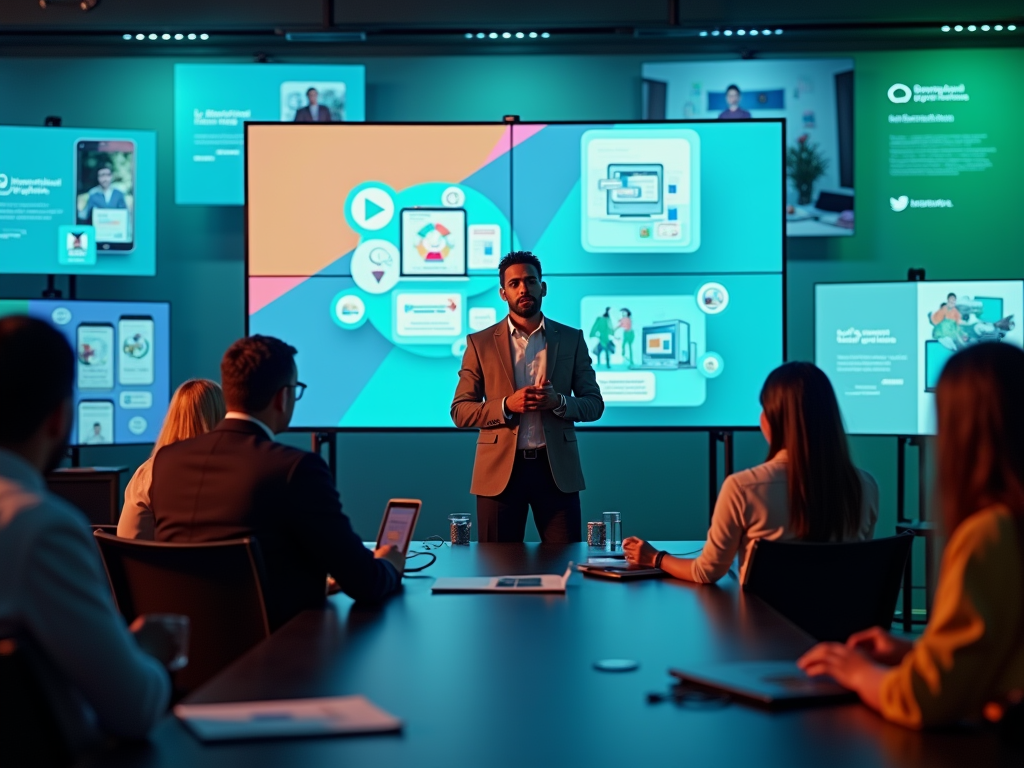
(512, 138)
(266, 290)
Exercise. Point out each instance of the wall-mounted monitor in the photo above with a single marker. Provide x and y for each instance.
(662, 242)
(813, 96)
(212, 102)
(77, 201)
(122, 369)
(883, 345)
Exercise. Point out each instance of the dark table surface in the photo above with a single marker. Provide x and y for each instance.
(507, 680)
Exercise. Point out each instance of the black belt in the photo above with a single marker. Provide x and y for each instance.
(532, 453)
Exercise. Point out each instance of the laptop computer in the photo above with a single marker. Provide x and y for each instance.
(771, 684)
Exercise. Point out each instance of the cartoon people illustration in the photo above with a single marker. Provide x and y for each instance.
(603, 331)
(628, 334)
(948, 321)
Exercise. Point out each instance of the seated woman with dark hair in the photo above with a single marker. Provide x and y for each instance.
(970, 660)
(808, 489)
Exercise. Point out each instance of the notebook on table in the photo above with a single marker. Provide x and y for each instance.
(615, 568)
(772, 684)
(287, 718)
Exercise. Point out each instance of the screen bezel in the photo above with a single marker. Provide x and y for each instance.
(814, 327)
(415, 503)
(586, 428)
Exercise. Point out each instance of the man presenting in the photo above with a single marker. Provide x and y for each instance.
(103, 195)
(315, 112)
(523, 384)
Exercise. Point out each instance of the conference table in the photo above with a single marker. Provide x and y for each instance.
(508, 680)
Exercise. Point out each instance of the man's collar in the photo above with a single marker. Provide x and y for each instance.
(512, 329)
(247, 417)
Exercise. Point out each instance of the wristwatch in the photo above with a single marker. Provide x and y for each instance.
(659, 557)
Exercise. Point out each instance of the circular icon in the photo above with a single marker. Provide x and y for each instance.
(374, 266)
(711, 364)
(372, 208)
(712, 298)
(453, 197)
(459, 348)
(349, 311)
(61, 316)
(137, 425)
(899, 93)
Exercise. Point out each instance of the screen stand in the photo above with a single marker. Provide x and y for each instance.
(75, 455)
(53, 292)
(919, 527)
(715, 437)
(330, 439)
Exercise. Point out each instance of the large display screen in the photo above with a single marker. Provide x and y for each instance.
(79, 201)
(814, 96)
(662, 242)
(122, 372)
(213, 101)
(883, 345)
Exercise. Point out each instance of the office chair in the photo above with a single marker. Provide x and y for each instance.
(30, 732)
(218, 585)
(830, 590)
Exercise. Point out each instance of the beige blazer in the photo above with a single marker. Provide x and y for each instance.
(487, 377)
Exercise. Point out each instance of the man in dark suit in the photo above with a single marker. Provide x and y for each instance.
(523, 384)
(314, 112)
(237, 481)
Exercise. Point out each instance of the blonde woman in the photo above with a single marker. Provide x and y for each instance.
(196, 408)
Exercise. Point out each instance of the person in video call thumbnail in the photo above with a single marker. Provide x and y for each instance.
(604, 332)
(947, 321)
(733, 111)
(103, 195)
(314, 112)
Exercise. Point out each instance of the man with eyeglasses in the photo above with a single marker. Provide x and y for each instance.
(238, 481)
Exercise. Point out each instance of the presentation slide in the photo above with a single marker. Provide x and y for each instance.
(122, 376)
(813, 96)
(883, 345)
(681, 308)
(213, 101)
(940, 144)
(77, 201)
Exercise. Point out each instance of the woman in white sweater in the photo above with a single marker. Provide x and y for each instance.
(196, 408)
(807, 490)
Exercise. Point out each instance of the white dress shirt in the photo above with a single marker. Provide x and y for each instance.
(253, 419)
(314, 111)
(754, 504)
(530, 368)
(54, 590)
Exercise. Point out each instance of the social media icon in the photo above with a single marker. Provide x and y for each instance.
(899, 203)
(899, 93)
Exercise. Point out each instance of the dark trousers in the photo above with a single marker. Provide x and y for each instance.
(556, 514)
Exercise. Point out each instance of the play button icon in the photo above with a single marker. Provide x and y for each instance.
(372, 208)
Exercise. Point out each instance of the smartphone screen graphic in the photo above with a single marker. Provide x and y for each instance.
(398, 524)
(105, 192)
(95, 422)
(95, 353)
(135, 351)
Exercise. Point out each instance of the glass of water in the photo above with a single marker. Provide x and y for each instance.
(613, 531)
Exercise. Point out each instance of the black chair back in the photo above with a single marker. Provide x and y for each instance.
(830, 590)
(30, 733)
(218, 585)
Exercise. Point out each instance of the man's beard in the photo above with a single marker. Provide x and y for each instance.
(525, 312)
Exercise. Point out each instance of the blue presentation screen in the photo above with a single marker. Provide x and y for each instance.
(213, 101)
(662, 242)
(122, 371)
(77, 201)
(883, 345)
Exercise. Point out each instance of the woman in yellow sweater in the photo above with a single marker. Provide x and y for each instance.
(969, 662)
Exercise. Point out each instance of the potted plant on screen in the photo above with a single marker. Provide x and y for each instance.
(806, 165)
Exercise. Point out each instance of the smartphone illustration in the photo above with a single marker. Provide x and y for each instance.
(135, 350)
(95, 422)
(95, 352)
(105, 192)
